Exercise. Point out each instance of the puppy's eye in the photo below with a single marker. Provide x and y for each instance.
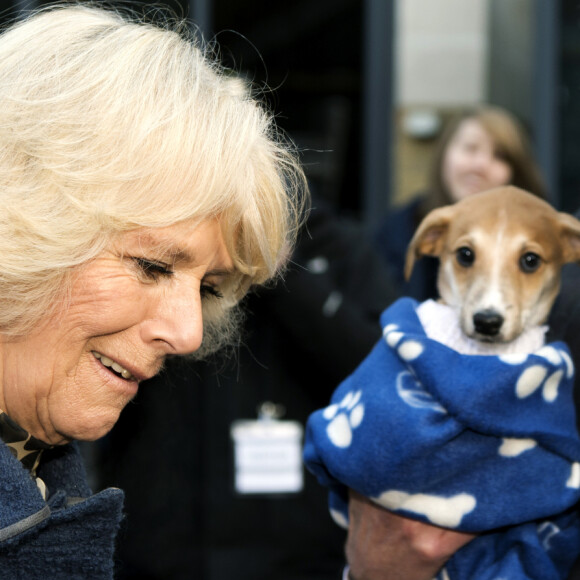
(530, 262)
(465, 256)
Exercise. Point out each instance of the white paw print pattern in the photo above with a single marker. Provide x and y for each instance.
(514, 447)
(412, 392)
(408, 388)
(344, 417)
(408, 349)
(574, 479)
(537, 375)
(447, 512)
(546, 531)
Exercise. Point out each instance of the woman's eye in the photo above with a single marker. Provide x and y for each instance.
(500, 156)
(153, 270)
(470, 147)
(208, 291)
(530, 262)
(465, 256)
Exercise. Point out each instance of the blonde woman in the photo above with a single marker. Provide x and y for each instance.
(143, 191)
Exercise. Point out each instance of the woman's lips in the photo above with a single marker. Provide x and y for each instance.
(115, 366)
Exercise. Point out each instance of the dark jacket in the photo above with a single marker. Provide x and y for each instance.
(171, 450)
(392, 239)
(69, 537)
(565, 325)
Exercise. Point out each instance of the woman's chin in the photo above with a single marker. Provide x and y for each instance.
(89, 430)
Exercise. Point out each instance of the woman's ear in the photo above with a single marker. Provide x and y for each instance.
(429, 237)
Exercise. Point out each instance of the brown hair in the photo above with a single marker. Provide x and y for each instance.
(511, 143)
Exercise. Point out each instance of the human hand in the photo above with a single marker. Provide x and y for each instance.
(382, 545)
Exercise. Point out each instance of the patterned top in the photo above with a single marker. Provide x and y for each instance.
(26, 448)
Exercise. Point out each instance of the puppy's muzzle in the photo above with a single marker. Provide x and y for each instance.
(487, 322)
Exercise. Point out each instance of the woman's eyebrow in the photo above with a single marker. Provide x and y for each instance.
(167, 250)
(183, 256)
(174, 253)
(220, 274)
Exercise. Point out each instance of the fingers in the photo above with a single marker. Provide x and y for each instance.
(382, 545)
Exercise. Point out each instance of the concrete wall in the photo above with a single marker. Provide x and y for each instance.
(450, 54)
(441, 52)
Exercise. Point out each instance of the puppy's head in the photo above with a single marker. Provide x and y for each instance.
(500, 256)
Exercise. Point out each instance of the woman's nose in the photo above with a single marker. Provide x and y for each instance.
(483, 159)
(480, 161)
(176, 324)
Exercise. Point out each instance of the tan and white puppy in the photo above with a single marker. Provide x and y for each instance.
(501, 253)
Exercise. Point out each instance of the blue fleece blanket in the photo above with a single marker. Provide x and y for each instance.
(484, 444)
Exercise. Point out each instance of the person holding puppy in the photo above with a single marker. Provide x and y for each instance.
(430, 429)
(481, 148)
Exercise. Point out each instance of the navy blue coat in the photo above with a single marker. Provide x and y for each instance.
(392, 239)
(69, 537)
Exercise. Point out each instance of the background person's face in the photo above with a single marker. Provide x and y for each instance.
(471, 163)
(131, 307)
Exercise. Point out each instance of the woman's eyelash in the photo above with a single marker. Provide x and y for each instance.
(152, 269)
(208, 291)
(155, 270)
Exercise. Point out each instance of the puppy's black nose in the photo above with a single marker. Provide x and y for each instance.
(487, 322)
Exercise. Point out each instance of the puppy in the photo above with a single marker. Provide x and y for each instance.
(486, 445)
(501, 254)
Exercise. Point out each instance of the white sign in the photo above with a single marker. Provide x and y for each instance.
(267, 456)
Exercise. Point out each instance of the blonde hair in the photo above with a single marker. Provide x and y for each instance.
(108, 124)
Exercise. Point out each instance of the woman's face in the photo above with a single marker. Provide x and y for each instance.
(131, 307)
(471, 163)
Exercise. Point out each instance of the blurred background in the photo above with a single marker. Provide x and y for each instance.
(364, 86)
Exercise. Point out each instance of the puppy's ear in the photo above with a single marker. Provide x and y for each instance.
(570, 236)
(429, 237)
